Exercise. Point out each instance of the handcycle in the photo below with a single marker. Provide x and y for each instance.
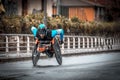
(49, 47)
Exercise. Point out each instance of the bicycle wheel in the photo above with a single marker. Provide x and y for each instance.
(57, 51)
(35, 55)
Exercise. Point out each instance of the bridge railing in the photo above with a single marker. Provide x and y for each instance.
(21, 45)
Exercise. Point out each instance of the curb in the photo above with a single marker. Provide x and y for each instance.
(3, 60)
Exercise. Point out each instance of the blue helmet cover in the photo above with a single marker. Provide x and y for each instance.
(41, 26)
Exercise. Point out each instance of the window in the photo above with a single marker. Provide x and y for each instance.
(11, 7)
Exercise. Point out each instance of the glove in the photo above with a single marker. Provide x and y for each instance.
(35, 38)
(61, 42)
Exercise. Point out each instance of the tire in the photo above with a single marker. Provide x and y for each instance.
(57, 51)
(35, 56)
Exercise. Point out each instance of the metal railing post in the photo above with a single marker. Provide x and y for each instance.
(78, 42)
(73, 42)
(105, 43)
(99, 43)
(63, 44)
(7, 46)
(110, 43)
(102, 43)
(119, 43)
(28, 44)
(63, 47)
(91, 42)
(68, 41)
(88, 42)
(18, 45)
(83, 42)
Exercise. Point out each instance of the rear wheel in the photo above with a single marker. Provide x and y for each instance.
(57, 51)
(35, 55)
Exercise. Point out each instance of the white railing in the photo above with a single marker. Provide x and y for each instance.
(22, 44)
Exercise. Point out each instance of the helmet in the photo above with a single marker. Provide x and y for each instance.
(41, 26)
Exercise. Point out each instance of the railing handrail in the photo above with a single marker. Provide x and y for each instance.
(16, 35)
(65, 35)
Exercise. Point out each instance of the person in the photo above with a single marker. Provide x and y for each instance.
(42, 33)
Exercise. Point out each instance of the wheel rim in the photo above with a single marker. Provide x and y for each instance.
(35, 56)
(58, 53)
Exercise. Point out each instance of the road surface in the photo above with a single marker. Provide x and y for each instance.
(105, 66)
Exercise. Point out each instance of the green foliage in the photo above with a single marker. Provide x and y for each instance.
(22, 24)
(10, 24)
(75, 19)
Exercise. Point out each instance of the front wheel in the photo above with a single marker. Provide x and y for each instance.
(35, 55)
(57, 51)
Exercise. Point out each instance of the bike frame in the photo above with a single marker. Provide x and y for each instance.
(43, 49)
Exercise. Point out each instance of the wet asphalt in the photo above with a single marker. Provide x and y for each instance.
(105, 66)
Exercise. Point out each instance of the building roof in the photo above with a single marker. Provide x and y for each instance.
(83, 3)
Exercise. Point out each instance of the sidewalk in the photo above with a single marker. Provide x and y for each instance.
(43, 56)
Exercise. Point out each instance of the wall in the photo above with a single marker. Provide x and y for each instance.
(34, 4)
(49, 7)
(85, 13)
(20, 7)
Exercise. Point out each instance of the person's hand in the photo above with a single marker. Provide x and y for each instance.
(35, 38)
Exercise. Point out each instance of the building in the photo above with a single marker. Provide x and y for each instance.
(83, 9)
(23, 7)
(111, 7)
